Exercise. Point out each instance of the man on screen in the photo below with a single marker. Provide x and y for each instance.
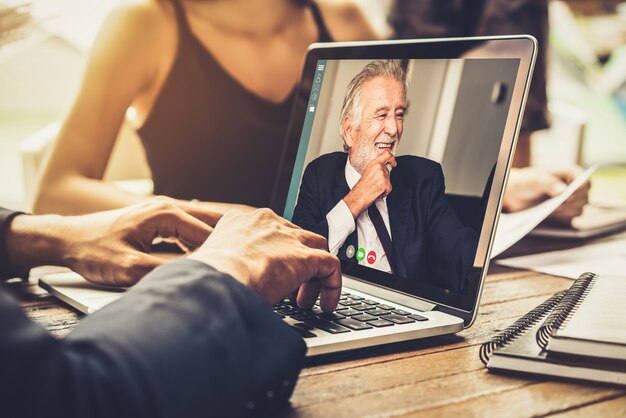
(378, 210)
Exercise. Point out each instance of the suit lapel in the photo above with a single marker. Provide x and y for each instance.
(399, 206)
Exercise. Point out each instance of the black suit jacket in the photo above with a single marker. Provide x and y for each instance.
(429, 241)
(187, 341)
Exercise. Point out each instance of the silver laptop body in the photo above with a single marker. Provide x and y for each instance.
(466, 105)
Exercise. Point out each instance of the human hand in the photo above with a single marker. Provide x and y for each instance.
(530, 186)
(107, 248)
(210, 212)
(274, 258)
(574, 205)
(373, 184)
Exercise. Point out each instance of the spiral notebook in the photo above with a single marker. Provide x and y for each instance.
(576, 334)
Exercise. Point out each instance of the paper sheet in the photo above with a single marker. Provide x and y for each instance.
(606, 257)
(512, 227)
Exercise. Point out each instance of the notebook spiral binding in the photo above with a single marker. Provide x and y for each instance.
(566, 308)
(518, 327)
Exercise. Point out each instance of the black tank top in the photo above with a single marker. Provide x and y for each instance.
(208, 137)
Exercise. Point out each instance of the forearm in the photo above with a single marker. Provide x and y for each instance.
(36, 240)
(77, 194)
(187, 340)
(202, 340)
(357, 201)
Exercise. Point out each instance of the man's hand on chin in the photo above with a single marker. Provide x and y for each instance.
(375, 182)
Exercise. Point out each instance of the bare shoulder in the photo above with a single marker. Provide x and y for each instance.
(154, 18)
(346, 21)
(138, 37)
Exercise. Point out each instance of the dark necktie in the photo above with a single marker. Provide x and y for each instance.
(383, 234)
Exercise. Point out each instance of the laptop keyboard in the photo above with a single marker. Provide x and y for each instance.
(354, 313)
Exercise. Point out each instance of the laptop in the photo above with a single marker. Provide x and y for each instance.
(449, 111)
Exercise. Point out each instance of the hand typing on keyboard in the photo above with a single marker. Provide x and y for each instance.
(274, 258)
(353, 313)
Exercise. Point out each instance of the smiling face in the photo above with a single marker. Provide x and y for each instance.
(382, 107)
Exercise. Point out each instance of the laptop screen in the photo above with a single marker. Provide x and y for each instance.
(395, 164)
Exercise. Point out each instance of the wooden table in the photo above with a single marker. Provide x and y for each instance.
(440, 376)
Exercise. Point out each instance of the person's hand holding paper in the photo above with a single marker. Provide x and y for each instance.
(514, 226)
(528, 187)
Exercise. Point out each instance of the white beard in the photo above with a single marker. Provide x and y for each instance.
(365, 151)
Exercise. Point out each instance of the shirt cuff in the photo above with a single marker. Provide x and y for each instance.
(340, 225)
(6, 269)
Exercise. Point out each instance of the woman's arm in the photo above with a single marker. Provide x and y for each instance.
(125, 61)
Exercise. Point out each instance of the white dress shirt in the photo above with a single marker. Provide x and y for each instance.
(341, 224)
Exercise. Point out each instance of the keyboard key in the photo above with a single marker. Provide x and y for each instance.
(418, 317)
(352, 324)
(401, 312)
(350, 302)
(362, 307)
(378, 311)
(364, 317)
(387, 307)
(303, 333)
(350, 312)
(355, 297)
(331, 316)
(380, 323)
(341, 308)
(397, 319)
(303, 326)
(326, 326)
(370, 302)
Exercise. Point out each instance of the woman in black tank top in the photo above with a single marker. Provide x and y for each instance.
(190, 109)
(207, 134)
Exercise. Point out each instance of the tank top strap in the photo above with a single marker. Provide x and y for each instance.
(324, 34)
(181, 17)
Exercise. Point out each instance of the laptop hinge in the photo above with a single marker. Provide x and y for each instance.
(391, 295)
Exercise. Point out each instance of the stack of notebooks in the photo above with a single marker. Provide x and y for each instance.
(576, 334)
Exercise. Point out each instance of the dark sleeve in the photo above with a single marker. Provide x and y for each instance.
(452, 245)
(6, 270)
(308, 213)
(187, 341)
(446, 18)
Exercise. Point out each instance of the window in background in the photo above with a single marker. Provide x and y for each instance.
(42, 54)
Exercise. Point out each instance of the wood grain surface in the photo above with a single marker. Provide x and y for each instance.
(440, 376)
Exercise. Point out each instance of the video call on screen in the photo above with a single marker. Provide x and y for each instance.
(428, 130)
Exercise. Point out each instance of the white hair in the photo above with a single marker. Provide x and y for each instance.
(352, 99)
